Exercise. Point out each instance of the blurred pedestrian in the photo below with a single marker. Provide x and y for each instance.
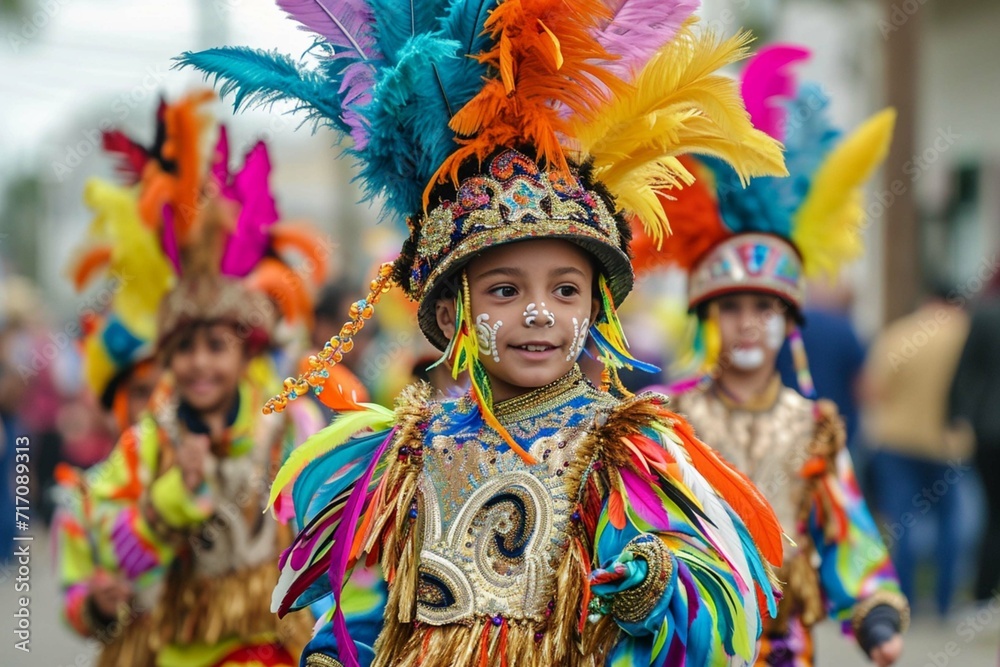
(918, 460)
(975, 398)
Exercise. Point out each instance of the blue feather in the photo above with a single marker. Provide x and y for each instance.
(314, 488)
(810, 136)
(401, 20)
(261, 78)
(754, 208)
(754, 560)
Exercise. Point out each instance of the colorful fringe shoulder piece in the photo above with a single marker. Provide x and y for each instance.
(664, 481)
(345, 482)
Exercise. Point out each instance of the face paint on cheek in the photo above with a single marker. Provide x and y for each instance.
(579, 338)
(747, 358)
(486, 336)
(774, 332)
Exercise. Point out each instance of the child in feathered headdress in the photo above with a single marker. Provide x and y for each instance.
(120, 369)
(174, 513)
(538, 519)
(747, 251)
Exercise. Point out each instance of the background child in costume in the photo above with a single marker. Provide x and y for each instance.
(119, 368)
(746, 251)
(196, 465)
(499, 517)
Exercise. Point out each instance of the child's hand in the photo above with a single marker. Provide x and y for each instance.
(888, 652)
(192, 455)
(626, 572)
(109, 592)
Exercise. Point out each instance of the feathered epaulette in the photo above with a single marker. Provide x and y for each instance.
(345, 481)
(653, 475)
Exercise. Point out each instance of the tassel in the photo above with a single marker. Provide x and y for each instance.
(463, 355)
(336, 347)
(609, 337)
(801, 361)
(484, 645)
(712, 339)
(503, 643)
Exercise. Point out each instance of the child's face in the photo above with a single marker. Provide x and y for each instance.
(532, 303)
(207, 366)
(752, 328)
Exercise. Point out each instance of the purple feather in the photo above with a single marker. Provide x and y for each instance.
(644, 501)
(768, 85)
(345, 24)
(677, 653)
(684, 574)
(248, 243)
(340, 553)
(638, 29)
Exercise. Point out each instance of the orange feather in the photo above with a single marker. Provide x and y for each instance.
(616, 509)
(695, 223)
(88, 264)
(737, 489)
(549, 62)
(306, 241)
(285, 287)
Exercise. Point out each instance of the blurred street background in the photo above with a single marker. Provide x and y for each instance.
(896, 322)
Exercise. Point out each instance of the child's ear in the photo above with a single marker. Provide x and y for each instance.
(444, 310)
(595, 309)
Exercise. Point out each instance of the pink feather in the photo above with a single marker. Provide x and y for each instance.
(168, 239)
(768, 84)
(345, 24)
(340, 554)
(248, 243)
(639, 28)
(644, 501)
(220, 160)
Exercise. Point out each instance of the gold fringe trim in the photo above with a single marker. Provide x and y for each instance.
(405, 643)
(201, 610)
(129, 646)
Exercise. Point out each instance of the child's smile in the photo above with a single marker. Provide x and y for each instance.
(532, 303)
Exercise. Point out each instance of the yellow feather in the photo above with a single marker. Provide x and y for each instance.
(679, 103)
(142, 274)
(827, 227)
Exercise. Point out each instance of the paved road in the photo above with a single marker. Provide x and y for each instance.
(970, 638)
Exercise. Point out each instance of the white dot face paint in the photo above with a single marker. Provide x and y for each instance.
(774, 332)
(551, 316)
(530, 314)
(486, 336)
(580, 333)
(747, 358)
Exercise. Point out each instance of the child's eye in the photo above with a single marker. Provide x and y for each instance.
(504, 291)
(567, 291)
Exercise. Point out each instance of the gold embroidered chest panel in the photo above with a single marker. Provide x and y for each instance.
(494, 528)
(769, 445)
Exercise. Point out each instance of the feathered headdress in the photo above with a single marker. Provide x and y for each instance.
(218, 227)
(773, 233)
(485, 122)
(136, 274)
